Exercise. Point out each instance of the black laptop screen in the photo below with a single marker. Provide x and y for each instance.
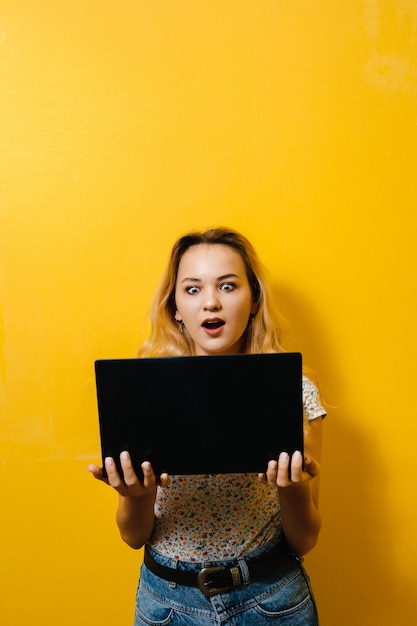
(201, 415)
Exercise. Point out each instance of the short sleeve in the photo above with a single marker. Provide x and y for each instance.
(313, 407)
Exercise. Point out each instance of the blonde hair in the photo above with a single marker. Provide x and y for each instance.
(169, 338)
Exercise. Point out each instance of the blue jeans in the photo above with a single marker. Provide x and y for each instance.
(284, 599)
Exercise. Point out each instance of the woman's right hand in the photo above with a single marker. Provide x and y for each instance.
(130, 485)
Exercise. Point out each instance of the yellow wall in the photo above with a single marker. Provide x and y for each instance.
(122, 124)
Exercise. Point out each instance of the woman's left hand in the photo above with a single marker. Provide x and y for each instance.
(287, 471)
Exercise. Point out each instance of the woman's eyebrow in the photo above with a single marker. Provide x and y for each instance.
(225, 276)
(190, 279)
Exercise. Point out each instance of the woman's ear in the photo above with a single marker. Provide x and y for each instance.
(178, 317)
(254, 308)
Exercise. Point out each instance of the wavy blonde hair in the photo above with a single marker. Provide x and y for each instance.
(169, 338)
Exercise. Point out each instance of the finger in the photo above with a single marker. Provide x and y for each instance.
(149, 478)
(129, 474)
(165, 480)
(113, 475)
(271, 472)
(311, 466)
(97, 472)
(283, 467)
(296, 467)
(262, 477)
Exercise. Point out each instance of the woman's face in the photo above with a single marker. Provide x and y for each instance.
(213, 298)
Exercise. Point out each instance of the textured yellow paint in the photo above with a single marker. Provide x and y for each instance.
(124, 125)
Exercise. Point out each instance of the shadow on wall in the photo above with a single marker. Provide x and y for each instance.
(353, 569)
(303, 333)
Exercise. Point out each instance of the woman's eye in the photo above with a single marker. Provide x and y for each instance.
(192, 290)
(227, 286)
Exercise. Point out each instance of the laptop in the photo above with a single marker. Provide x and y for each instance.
(200, 414)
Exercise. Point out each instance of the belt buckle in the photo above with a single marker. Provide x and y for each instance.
(204, 582)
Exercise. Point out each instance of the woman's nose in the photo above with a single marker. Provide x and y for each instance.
(211, 301)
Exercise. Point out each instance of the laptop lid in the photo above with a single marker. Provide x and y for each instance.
(201, 414)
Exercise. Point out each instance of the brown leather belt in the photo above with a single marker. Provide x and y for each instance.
(219, 579)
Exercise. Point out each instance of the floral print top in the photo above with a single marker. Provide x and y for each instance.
(215, 517)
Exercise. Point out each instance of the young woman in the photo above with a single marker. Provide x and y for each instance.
(226, 548)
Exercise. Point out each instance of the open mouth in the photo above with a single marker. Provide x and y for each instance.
(213, 324)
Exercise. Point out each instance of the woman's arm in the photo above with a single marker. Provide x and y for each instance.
(135, 511)
(299, 490)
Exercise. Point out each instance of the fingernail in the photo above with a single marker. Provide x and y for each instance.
(125, 456)
(284, 456)
(108, 461)
(297, 455)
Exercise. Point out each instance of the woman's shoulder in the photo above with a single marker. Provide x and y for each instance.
(311, 399)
